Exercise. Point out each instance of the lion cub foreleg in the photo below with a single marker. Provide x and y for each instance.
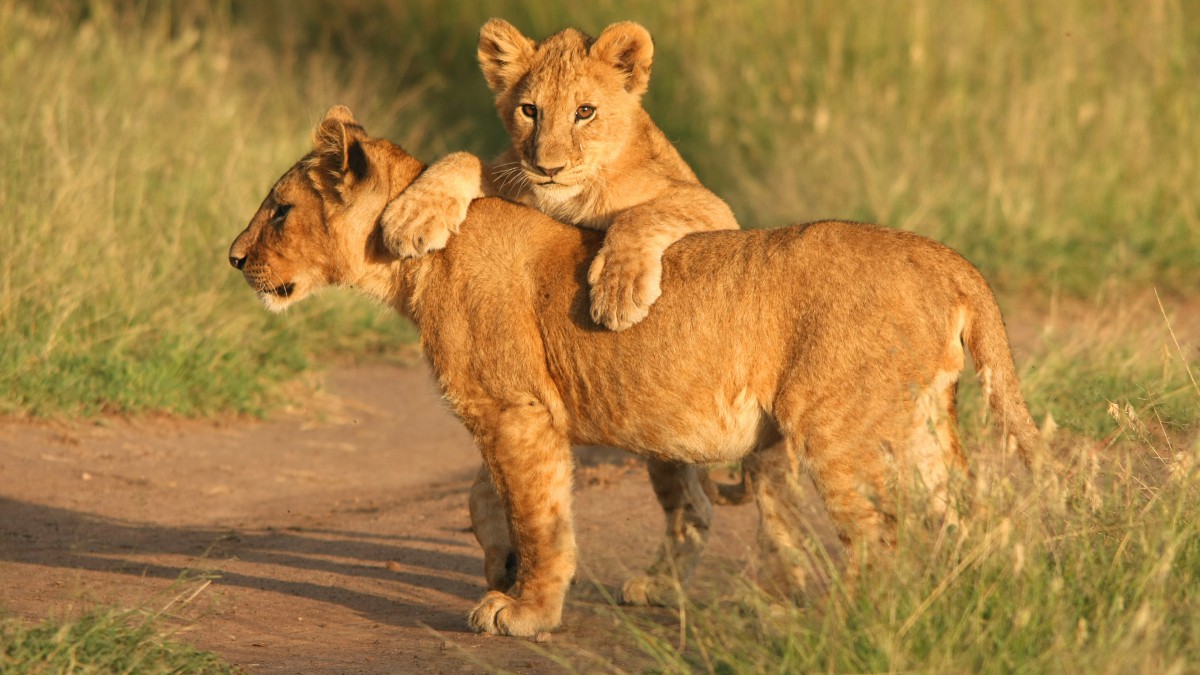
(531, 468)
(689, 515)
(424, 216)
(626, 274)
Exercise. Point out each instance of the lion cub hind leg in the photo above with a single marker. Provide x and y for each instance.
(785, 558)
(531, 468)
(856, 482)
(490, 525)
(689, 515)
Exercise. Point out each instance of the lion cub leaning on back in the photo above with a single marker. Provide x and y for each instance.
(584, 152)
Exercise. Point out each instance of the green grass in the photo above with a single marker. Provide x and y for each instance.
(1092, 357)
(106, 640)
(1054, 144)
(102, 641)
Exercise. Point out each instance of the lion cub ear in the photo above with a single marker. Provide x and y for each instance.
(504, 54)
(339, 157)
(627, 46)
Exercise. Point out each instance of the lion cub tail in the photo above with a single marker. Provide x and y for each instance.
(985, 336)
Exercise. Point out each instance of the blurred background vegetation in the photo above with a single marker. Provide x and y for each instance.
(1057, 145)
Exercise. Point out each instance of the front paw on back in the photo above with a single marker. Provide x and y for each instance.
(500, 614)
(623, 288)
(418, 222)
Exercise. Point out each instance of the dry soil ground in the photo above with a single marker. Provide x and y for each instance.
(338, 537)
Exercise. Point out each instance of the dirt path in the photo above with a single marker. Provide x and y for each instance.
(339, 540)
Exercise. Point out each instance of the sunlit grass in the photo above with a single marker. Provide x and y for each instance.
(111, 641)
(1092, 570)
(1086, 359)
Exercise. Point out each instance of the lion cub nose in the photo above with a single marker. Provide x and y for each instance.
(550, 171)
(238, 262)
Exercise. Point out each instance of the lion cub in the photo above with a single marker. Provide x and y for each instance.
(845, 341)
(583, 151)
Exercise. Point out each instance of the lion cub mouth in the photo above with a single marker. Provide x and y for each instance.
(280, 297)
(557, 191)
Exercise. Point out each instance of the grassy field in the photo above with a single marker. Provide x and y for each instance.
(1057, 145)
(1096, 574)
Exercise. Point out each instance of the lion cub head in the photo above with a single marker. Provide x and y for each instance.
(569, 102)
(318, 225)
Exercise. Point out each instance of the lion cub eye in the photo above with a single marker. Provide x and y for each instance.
(529, 110)
(584, 112)
(280, 214)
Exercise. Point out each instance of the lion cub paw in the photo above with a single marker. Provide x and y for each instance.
(623, 287)
(499, 614)
(655, 591)
(421, 220)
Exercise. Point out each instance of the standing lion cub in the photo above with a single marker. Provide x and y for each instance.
(845, 341)
(584, 151)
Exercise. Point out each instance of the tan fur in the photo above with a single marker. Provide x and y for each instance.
(614, 171)
(836, 337)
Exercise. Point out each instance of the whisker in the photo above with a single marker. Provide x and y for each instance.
(504, 178)
(512, 177)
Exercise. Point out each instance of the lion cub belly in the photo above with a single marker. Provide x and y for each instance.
(716, 428)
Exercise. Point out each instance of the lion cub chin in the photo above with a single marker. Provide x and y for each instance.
(582, 151)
